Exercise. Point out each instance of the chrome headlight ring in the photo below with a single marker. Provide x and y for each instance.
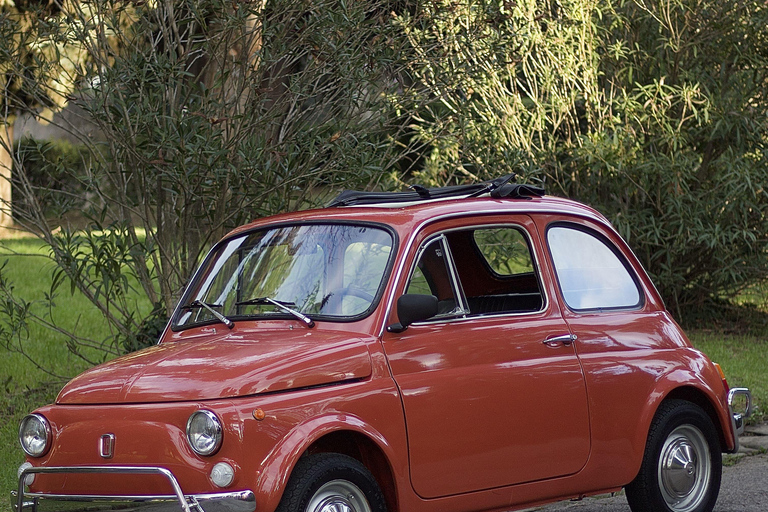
(204, 432)
(35, 435)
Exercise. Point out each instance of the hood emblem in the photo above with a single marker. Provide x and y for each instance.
(107, 446)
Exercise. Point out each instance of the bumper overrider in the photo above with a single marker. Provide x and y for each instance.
(737, 418)
(234, 501)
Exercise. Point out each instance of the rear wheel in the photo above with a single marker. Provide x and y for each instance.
(682, 464)
(331, 482)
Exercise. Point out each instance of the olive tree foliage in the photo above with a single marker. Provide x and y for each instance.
(207, 114)
(506, 81)
(654, 111)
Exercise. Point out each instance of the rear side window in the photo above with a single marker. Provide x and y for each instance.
(505, 250)
(591, 275)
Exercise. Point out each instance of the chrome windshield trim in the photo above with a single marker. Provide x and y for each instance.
(188, 503)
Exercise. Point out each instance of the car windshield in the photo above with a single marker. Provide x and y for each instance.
(322, 271)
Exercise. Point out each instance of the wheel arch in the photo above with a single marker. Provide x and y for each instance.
(699, 397)
(342, 434)
(691, 387)
(694, 391)
(367, 452)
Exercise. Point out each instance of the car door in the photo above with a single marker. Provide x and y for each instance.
(492, 389)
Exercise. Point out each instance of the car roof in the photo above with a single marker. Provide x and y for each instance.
(409, 215)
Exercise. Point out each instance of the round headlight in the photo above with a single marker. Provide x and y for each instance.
(204, 432)
(34, 435)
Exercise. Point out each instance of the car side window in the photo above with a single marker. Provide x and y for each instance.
(591, 275)
(496, 268)
(493, 272)
(505, 251)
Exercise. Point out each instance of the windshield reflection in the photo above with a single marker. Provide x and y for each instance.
(325, 271)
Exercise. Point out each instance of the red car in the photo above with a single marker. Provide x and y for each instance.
(466, 348)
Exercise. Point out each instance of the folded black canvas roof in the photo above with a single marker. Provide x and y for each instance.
(497, 188)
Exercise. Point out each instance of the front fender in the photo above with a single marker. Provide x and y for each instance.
(277, 467)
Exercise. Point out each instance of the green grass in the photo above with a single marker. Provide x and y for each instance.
(744, 359)
(29, 269)
(24, 386)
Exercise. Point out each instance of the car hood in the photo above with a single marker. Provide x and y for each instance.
(223, 367)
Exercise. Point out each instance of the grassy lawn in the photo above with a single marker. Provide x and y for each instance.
(25, 387)
(29, 269)
(744, 360)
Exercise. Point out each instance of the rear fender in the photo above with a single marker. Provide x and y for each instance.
(695, 387)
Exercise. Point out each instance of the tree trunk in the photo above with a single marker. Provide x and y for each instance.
(6, 166)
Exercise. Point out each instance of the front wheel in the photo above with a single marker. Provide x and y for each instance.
(682, 464)
(331, 482)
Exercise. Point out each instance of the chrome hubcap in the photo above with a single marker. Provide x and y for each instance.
(684, 468)
(338, 496)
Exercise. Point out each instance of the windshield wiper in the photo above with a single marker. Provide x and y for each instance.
(200, 304)
(285, 306)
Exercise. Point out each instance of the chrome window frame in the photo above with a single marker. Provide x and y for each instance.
(450, 267)
(461, 317)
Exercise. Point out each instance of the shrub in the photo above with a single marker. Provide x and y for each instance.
(52, 173)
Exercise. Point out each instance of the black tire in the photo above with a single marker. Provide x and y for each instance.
(324, 480)
(682, 464)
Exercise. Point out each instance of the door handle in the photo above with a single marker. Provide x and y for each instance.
(563, 339)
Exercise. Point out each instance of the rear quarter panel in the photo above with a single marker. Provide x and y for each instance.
(632, 359)
(631, 365)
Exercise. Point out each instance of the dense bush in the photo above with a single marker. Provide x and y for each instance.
(654, 112)
(210, 114)
(679, 159)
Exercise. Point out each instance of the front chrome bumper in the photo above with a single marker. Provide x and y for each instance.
(235, 501)
(737, 419)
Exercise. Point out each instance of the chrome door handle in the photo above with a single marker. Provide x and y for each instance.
(563, 339)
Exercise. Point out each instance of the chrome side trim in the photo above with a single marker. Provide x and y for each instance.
(235, 501)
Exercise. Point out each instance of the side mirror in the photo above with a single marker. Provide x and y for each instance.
(413, 308)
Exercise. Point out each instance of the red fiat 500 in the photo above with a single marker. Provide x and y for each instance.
(457, 349)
